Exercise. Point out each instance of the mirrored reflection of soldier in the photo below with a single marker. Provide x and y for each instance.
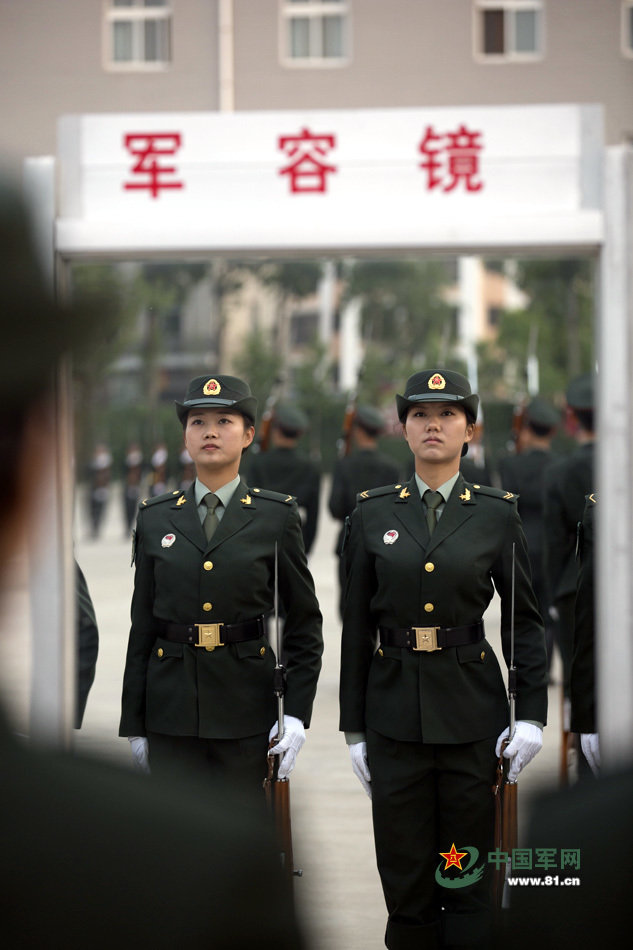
(198, 681)
(566, 485)
(87, 644)
(176, 865)
(99, 473)
(424, 712)
(132, 484)
(583, 665)
(284, 468)
(364, 467)
(524, 475)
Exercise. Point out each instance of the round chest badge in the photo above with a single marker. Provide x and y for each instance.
(168, 540)
(390, 537)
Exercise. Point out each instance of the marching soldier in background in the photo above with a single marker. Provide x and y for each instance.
(566, 485)
(524, 475)
(364, 467)
(198, 682)
(283, 468)
(425, 713)
(132, 484)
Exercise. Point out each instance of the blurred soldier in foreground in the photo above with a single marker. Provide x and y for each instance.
(92, 855)
(524, 474)
(363, 468)
(284, 469)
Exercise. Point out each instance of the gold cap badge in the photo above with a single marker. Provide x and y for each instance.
(211, 388)
(437, 381)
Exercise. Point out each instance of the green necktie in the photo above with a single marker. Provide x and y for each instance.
(432, 500)
(211, 520)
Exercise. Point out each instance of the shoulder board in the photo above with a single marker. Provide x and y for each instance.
(273, 495)
(160, 499)
(494, 492)
(379, 492)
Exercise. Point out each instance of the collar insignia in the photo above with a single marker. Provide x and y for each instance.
(405, 493)
(247, 500)
(181, 501)
(466, 495)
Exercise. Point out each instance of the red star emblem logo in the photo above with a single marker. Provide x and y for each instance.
(453, 857)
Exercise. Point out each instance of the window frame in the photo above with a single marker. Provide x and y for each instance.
(510, 54)
(626, 28)
(136, 13)
(314, 9)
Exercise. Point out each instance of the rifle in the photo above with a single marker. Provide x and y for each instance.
(268, 415)
(505, 792)
(277, 790)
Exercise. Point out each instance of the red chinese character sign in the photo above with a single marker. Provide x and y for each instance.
(149, 148)
(307, 169)
(346, 178)
(451, 158)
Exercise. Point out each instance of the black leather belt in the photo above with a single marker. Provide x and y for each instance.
(212, 635)
(428, 639)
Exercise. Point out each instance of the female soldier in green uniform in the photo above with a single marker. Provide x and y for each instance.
(198, 682)
(423, 701)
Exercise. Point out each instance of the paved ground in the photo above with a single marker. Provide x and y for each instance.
(339, 893)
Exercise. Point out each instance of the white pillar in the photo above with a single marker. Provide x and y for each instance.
(51, 564)
(350, 346)
(614, 548)
(226, 64)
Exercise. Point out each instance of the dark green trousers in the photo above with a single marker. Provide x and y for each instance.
(425, 798)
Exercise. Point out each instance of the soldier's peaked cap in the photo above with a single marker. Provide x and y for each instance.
(435, 385)
(218, 392)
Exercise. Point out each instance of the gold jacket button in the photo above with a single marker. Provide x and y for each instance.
(207, 606)
(160, 651)
(429, 567)
(429, 608)
(483, 654)
(380, 653)
(208, 565)
(262, 652)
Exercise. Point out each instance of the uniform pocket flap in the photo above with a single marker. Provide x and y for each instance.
(259, 647)
(473, 652)
(165, 648)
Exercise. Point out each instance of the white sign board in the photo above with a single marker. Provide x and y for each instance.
(443, 178)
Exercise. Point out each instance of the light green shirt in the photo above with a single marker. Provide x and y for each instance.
(225, 493)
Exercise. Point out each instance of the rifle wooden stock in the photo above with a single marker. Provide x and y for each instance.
(506, 826)
(277, 793)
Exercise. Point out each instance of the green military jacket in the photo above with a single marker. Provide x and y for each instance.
(399, 576)
(226, 693)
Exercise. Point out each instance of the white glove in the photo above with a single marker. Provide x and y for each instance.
(526, 742)
(288, 747)
(140, 753)
(590, 746)
(358, 752)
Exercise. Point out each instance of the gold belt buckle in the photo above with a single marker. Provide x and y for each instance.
(425, 639)
(209, 636)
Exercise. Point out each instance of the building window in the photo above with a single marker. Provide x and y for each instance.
(508, 30)
(627, 27)
(314, 33)
(138, 34)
